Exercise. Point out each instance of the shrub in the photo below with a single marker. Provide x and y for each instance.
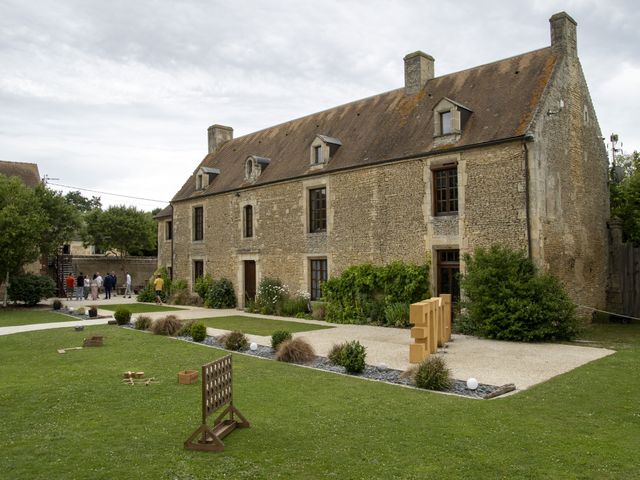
(433, 374)
(93, 312)
(122, 316)
(296, 350)
(148, 294)
(234, 341)
(143, 322)
(397, 314)
(361, 293)
(278, 337)
(202, 285)
(169, 325)
(198, 332)
(271, 294)
(80, 311)
(221, 294)
(57, 304)
(185, 329)
(353, 357)
(335, 354)
(318, 310)
(296, 304)
(179, 285)
(184, 297)
(30, 288)
(508, 299)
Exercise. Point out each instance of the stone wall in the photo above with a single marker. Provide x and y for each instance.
(140, 268)
(570, 199)
(374, 214)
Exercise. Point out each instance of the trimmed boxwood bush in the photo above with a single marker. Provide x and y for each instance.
(507, 298)
(185, 329)
(122, 316)
(278, 337)
(353, 357)
(30, 288)
(234, 341)
(220, 294)
(432, 374)
(198, 332)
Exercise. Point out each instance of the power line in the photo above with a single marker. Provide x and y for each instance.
(107, 193)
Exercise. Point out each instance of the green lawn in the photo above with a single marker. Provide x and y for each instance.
(612, 335)
(69, 416)
(23, 316)
(139, 307)
(259, 326)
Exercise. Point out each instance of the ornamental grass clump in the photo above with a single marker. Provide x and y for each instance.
(433, 374)
(335, 354)
(169, 325)
(122, 316)
(296, 350)
(143, 322)
(278, 337)
(198, 332)
(185, 329)
(235, 341)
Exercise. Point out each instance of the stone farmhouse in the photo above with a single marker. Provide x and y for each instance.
(509, 152)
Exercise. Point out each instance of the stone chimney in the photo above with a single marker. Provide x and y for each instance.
(563, 35)
(218, 135)
(418, 68)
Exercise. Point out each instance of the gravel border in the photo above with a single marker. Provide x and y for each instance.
(371, 372)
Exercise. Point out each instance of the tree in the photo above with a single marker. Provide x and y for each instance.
(23, 223)
(62, 217)
(624, 188)
(82, 203)
(121, 230)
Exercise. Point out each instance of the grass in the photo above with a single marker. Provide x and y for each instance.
(139, 307)
(612, 335)
(69, 416)
(259, 326)
(22, 316)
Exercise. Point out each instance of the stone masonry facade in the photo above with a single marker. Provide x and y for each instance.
(531, 174)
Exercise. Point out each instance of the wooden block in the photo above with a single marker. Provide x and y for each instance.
(417, 352)
(419, 332)
(187, 377)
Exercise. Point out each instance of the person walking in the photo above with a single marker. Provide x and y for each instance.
(127, 285)
(158, 285)
(99, 281)
(115, 281)
(70, 283)
(80, 287)
(108, 284)
(93, 285)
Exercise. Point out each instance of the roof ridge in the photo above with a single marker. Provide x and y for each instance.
(21, 163)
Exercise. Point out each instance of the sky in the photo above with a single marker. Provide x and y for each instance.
(117, 96)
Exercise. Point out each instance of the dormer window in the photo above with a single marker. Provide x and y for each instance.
(450, 118)
(323, 148)
(445, 123)
(204, 176)
(317, 154)
(254, 166)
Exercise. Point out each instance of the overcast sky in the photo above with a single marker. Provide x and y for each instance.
(117, 95)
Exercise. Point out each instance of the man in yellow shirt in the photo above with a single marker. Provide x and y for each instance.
(158, 285)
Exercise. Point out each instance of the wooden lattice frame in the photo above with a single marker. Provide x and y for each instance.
(217, 391)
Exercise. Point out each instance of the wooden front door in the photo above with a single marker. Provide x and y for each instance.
(249, 280)
(449, 273)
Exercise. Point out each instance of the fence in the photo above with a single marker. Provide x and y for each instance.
(623, 295)
(432, 320)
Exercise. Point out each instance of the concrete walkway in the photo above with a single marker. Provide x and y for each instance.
(489, 361)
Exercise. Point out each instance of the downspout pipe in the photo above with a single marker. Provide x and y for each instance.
(529, 137)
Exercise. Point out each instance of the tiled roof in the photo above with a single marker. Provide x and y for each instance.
(27, 172)
(165, 212)
(503, 97)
